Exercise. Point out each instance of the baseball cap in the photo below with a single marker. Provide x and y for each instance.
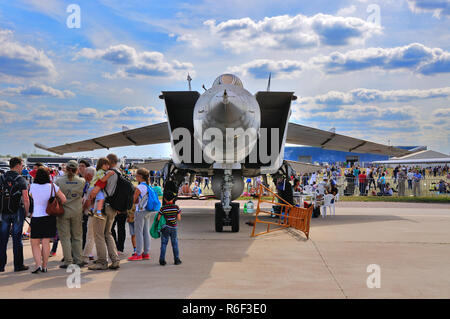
(72, 164)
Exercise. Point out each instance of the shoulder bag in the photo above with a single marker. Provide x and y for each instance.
(54, 206)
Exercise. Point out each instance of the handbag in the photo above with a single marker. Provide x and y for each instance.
(54, 206)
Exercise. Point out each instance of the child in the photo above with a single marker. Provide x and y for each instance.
(171, 213)
(100, 181)
(142, 217)
(130, 221)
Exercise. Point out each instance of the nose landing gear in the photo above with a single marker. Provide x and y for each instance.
(227, 219)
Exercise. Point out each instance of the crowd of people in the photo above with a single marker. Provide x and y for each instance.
(379, 181)
(89, 219)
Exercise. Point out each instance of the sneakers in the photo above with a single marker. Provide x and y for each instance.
(22, 268)
(114, 265)
(99, 216)
(52, 254)
(146, 256)
(82, 264)
(63, 266)
(135, 257)
(162, 262)
(177, 261)
(98, 266)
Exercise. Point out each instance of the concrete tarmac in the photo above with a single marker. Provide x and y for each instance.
(409, 242)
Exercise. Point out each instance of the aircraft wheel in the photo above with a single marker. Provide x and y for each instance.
(234, 215)
(220, 214)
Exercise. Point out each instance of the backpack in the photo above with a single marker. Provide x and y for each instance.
(155, 230)
(10, 195)
(122, 199)
(153, 203)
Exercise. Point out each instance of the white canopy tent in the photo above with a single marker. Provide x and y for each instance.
(424, 158)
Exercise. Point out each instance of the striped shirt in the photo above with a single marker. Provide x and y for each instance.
(170, 213)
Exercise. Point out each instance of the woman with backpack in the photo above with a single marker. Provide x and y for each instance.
(142, 215)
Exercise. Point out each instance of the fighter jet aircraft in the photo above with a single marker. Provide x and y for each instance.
(227, 133)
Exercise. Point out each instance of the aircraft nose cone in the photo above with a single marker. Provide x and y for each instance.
(223, 110)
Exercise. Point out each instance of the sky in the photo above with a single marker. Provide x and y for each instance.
(377, 70)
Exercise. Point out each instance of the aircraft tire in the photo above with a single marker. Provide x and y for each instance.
(220, 214)
(234, 214)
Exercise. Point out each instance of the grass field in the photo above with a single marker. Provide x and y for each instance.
(406, 199)
(423, 199)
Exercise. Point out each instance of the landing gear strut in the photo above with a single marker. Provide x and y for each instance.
(227, 219)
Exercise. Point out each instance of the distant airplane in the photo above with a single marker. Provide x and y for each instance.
(259, 126)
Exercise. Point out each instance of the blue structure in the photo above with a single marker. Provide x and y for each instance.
(316, 154)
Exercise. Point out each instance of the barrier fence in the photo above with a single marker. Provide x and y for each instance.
(288, 215)
(350, 186)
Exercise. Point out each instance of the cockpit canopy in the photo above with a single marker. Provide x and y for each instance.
(228, 79)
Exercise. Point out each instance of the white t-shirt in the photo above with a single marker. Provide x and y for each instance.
(41, 195)
(142, 202)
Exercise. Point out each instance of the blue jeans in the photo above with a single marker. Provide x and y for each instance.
(167, 232)
(12, 222)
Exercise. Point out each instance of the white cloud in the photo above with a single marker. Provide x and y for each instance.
(438, 7)
(126, 113)
(359, 113)
(23, 61)
(362, 95)
(346, 11)
(415, 57)
(137, 64)
(117, 54)
(88, 112)
(289, 32)
(6, 117)
(262, 67)
(52, 8)
(87, 119)
(126, 91)
(442, 113)
(135, 112)
(38, 90)
(190, 39)
(7, 106)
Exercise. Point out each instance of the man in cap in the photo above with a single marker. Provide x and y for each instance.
(69, 225)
